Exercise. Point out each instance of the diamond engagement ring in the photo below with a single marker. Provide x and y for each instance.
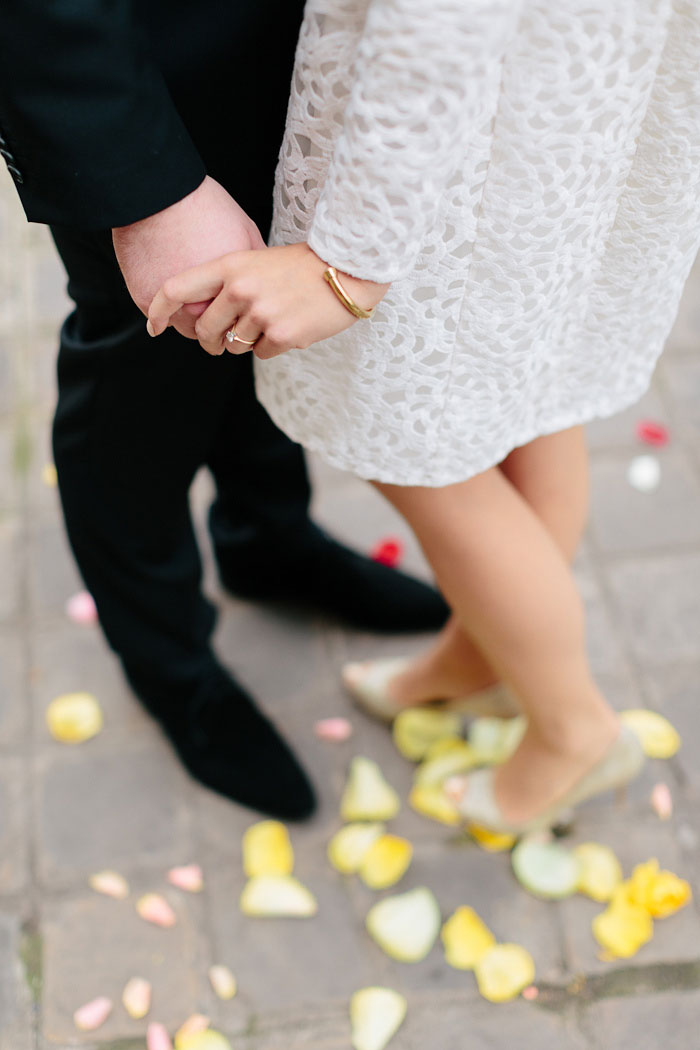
(231, 337)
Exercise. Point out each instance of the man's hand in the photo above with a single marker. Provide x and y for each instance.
(202, 226)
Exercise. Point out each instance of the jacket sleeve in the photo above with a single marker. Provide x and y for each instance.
(416, 99)
(88, 130)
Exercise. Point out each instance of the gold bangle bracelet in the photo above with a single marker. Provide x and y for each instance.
(331, 275)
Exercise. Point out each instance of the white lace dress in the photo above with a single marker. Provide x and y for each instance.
(527, 174)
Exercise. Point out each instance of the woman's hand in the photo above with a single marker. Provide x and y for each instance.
(275, 296)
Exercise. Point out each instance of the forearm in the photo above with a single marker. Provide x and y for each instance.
(87, 118)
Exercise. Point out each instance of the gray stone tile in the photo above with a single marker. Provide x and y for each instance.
(624, 520)
(69, 658)
(684, 337)
(619, 431)
(9, 480)
(54, 577)
(290, 963)
(13, 825)
(93, 945)
(603, 642)
(683, 383)
(668, 1019)
(125, 809)
(7, 377)
(658, 603)
(634, 840)
(10, 566)
(15, 1007)
(13, 697)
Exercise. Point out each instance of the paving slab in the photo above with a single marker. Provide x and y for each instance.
(10, 567)
(668, 1020)
(92, 945)
(53, 575)
(14, 825)
(125, 808)
(13, 693)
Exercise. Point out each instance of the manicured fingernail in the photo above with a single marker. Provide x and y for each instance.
(149, 327)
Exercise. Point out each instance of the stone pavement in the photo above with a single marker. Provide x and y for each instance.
(122, 801)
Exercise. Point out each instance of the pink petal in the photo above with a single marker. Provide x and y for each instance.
(155, 908)
(81, 608)
(388, 551)
(195, 1023)
(652, 433)
(157, 1038)
(661, 801)
(333, 729)
(187, 877)
(93, 1014)
(530, 993)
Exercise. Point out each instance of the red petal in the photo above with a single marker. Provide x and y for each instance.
(652, 433)
(388, 551)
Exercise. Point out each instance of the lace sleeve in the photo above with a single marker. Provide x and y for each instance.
(414, 98)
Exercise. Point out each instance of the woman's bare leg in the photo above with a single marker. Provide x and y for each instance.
(510, 585)
(551, 474)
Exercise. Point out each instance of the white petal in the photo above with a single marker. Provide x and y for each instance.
(222, 981)
(376, 1015)
(137, 997)
(406, 925)
(367, 795)
(111, 883)
(277, 895)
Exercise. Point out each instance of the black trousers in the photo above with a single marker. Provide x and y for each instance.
(137, 417)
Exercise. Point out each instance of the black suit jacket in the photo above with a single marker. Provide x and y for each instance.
(111, 110)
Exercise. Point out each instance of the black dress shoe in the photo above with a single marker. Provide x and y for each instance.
(227, 744)
(307, 567)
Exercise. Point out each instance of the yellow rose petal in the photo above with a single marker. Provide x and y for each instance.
(466, 939)
(545, 868)
(436, 769)
(222, 981)
(376, 1014)
(657, 736)
(405, 926)
(493, 740)
(417, 729)
(267, 849)
(385, 862)
(367, 795)
(492, 841)
(623, 927)
(661, 893)
(503, 972)
(431, 801)
(277, 895)
(207, 1040)
(600, 872)
(49, 475)
(74, 717)
(349, 845)
(443, 746)
(194, 1024)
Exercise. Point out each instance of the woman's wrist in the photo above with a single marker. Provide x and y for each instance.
(365, 293)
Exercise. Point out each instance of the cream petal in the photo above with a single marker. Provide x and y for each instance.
(545, 868)
(406, 926)
(432, 802)
(267, 849)
(111, 883)
(136, 997)
(600, 872)
(494, 740)
(376, 1014)
(456, 759)
(157, 1037)
(503, 972)
(333, 729)
(662, 801)
(49, 475)
(417, 729)
(466, 938)
(74, 717)
(349, 845)
(659, 739)
(187, 877)
(222, 981)
(367, 795)
(93, 1014)
(385, 862)
(154, 908)
(277, 895)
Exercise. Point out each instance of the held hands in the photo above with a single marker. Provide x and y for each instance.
(275, 297)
